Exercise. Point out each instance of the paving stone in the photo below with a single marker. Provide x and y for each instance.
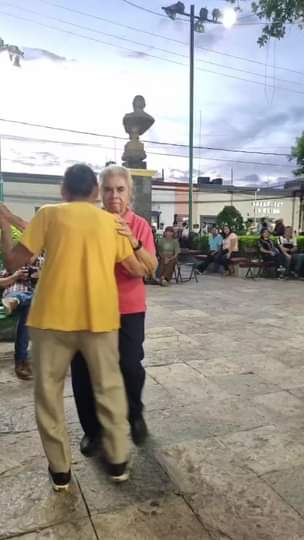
(243, 385)
(155, 396)
(77, 530)
(254, 364)
(192, 313)
(169, 518)
(157, 332)
(283, 403)
(297, 392)
(230, 501)
(289, 484)
(147, 481)
(168, 350)
(201, 420)
(290, 356)
(28, 502)
(21, 417)
(265, 449)
(178, 341)
(285, 377)
(224, 404)
(184, 384)
(19, 451)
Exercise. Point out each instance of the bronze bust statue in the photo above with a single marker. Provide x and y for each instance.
(136, 124)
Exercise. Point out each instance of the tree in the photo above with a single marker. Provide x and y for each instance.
(297, 153)
(232, 217)
(277, 14)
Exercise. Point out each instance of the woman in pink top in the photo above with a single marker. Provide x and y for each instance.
(117, 187)
(230, 248)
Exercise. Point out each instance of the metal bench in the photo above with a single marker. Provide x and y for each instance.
(186, 260)
(255, 265)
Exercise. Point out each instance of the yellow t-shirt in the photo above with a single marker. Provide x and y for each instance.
(77, 288)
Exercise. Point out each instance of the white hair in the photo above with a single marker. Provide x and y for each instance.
(117, 170)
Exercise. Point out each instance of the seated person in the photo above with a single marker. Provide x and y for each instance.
(229, 249)
(168, 249)
(288, 246)
(270, 253)
(215, 242)
(17, 297)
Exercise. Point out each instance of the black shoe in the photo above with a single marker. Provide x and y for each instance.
(60, 481)
(89, 446)
(139, 430)
(118, 472)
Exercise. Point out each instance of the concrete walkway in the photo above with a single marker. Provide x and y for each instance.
(225, 406)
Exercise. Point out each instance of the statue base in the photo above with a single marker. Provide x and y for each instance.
(134, 153)
(142, 181)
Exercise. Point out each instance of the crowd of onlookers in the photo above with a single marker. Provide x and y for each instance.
(276, 246)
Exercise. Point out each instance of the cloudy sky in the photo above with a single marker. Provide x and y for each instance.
(85, 61)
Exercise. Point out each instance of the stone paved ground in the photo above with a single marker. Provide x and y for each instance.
(225, 405)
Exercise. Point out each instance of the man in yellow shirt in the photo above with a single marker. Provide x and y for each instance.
(75, 307)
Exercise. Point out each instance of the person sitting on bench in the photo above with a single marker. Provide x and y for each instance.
(215, 242)
(230, 248)
(17, 296)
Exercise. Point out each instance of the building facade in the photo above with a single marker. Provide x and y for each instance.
(24, 193)
(171, 201)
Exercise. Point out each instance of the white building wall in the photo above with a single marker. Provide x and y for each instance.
(23, 198)
(164, 201)
(269, 206)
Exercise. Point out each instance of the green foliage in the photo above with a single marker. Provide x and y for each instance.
(278, 14)
(247, 242)
(232, 217)
(201, 243)
(297, 153)
(300, 243)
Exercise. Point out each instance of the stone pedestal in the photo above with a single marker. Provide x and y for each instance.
(142, 201)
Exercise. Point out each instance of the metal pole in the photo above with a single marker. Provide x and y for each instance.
(232, 178)
(191, 115)
(255, 202)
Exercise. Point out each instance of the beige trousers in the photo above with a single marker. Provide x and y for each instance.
(52, 354)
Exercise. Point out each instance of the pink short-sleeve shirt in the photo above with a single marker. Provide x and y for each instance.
(131, 290)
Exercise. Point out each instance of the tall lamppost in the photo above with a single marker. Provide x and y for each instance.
(197, 24)
(255, 206)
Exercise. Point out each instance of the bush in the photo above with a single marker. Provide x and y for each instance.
(247, 242)
(201, 243)
(232, 217)
(300, 243)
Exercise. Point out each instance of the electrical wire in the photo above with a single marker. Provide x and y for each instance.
(166, 51)
(175, 155)
(95, 40)
(256, 23)
(204, 201)
(162, 36)
(132, 4)
(159, 143)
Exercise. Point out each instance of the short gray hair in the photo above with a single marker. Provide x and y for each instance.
(117, 170)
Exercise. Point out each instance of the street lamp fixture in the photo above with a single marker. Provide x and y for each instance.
(174, 9)
(15, 54)
(197, 24)
(229, 18)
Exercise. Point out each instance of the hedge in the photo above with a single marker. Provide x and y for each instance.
(245, 242)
